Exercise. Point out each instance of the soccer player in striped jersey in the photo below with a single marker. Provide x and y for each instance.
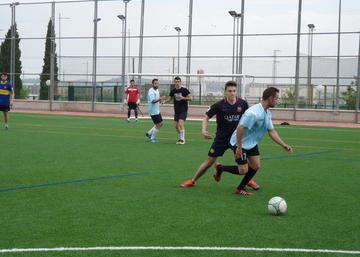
(6, 97)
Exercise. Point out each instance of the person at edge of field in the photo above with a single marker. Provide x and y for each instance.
(255, 122)
(6, 97)
(154, 101)
(132, 99)
(228, 113)
(181, 96)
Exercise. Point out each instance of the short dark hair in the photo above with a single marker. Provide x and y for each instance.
(270, 91)
(132, 80)
(152, 82)
(4, 73)
(177, 78)
(230, 84)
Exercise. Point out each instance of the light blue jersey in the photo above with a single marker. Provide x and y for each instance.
(257, 122)
(154, 108)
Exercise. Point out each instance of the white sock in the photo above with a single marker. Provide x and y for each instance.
(182, 135)
(155, 131)
(151, 131)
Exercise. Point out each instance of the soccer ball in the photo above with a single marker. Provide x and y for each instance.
(277, 205)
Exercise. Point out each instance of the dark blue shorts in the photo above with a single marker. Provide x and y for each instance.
(219, 147)
(4, 108)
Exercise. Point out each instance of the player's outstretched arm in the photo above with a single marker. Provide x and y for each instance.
(204, 126)
(168, 99)
(276, 138)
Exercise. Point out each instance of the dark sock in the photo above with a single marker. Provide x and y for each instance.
(136, 114)
(230, 169)
(248, 176)
(128, 114)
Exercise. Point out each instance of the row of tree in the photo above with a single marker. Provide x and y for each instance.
(5, 59)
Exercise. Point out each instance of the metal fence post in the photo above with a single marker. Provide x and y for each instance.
(297, 69)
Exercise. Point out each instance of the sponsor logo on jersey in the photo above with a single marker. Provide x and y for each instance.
(231, 118)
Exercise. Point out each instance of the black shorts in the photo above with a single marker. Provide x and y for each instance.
(219, 147)
(246, 153)
(180, 116)
(4, 108)
(156, 118)
(132, 105)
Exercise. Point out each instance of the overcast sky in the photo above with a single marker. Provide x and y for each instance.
(161, 16)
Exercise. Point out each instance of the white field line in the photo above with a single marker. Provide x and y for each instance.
(174, 248)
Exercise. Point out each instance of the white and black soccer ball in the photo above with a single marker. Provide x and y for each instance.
(277, 205)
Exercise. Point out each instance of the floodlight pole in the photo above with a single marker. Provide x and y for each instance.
(122, 18)
(188, 62)
(178, 29)
(240, 64)
(141, 39)
(96, 20)
(275, 62)
(297, 68)
(358, 86)
(59, 56)
(233, 53)
(124, 48)
(52, 56)
(310, 46)
(13, 43)
(338, 61)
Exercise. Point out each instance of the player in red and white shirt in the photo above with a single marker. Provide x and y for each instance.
(133, 99)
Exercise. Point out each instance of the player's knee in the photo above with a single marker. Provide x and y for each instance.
(256, 166)
(210, 161)
(243, 169)
(159, 125)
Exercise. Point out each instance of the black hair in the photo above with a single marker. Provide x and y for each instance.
(4, 73)
(152, 82)
(177, 78)
(230, 84)
(270, 91)
(132, 80)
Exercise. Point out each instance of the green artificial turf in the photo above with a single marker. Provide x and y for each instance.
(322, 190)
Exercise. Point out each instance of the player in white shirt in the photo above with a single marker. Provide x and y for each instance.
(154, 101)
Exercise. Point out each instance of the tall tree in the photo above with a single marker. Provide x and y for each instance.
(5, 55)
(45, 74)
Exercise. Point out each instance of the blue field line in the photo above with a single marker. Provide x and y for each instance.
(74, 181)
(298, 155)
(333, 159)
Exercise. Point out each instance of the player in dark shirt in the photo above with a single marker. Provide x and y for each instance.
(181, 96)
(6, 97)
(228, 113)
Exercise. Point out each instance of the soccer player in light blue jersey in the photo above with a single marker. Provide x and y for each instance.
(255, 122)
(154, 101)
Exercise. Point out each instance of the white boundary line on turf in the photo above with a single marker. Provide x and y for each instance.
(172, 248)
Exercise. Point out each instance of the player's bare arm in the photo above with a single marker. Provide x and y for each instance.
(188, 97)
(276, 138)
(12, 98)
(204, 126)
(239, 135)
(170, 98)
